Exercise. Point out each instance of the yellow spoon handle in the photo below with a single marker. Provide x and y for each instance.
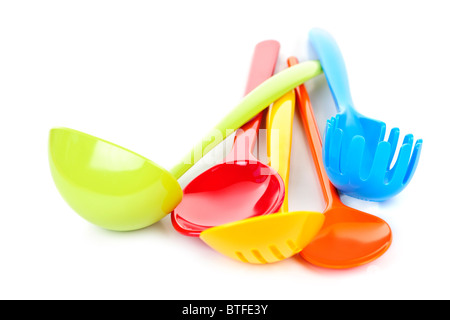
(279, 138)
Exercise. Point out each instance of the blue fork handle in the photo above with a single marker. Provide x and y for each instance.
(333, 66)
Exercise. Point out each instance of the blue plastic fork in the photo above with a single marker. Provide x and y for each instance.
(357, 160)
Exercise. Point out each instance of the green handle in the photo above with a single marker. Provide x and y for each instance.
(252, 104)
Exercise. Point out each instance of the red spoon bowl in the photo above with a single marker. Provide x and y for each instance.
(228, 192)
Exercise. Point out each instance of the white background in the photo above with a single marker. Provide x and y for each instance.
(154, 77)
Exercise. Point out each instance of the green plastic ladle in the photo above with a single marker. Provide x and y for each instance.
(117, 189)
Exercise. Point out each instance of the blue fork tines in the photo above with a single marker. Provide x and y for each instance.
(386, 177)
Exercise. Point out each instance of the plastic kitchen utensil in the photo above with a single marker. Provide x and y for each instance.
(117, 189)
(269, 238)
(349, 237)
(357, 159)
(240, 187)
(108, 185)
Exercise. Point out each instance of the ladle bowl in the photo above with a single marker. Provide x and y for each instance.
(110, 186)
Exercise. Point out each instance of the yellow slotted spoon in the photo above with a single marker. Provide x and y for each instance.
(275, 237)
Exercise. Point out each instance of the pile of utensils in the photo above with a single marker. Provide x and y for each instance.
(240, 207)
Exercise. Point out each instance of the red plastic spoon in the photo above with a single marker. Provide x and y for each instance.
(241, 187)
(348, 237)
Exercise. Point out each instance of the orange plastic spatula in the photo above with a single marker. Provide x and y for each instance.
(348, 237)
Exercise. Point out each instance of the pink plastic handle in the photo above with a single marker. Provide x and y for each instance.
(262, 68)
